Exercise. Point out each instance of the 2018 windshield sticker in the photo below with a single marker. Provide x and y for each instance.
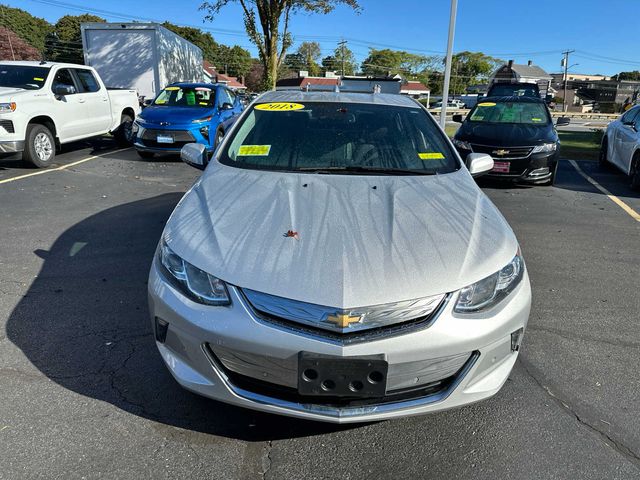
(279, 107)
(431, 156)
(487, 104)
(254, 150)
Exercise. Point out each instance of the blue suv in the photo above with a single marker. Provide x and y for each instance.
(186, 113)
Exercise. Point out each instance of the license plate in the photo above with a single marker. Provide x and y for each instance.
(164, 139)
(501, 167)
(324, 375)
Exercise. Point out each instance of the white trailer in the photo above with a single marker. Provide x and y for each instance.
(144, 56)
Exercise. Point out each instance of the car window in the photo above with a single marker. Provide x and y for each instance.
(510, 112)
(630, 115)
(224, 97)
(88, 82)
(18, 76)
(175, 96)
(338, 136)
(232, 97)
(63, 78)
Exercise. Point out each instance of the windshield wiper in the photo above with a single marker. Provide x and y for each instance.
(360, 169)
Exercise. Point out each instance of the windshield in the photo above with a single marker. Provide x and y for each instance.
(19, 76)
(338, 138)
(510, 112)
(515, 90)
(186, 97)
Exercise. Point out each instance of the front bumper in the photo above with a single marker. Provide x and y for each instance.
(146, 139)
(198, 336)
(535, 168)
(11, 146)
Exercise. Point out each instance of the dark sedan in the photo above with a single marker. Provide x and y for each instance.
(518, 133)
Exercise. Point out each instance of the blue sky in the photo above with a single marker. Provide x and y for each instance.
(604, 34)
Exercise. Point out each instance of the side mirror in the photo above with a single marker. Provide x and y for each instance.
(458, 118)
(479, 163)
(562, 121)
(63, 90)
(194, 154)
(226, 106)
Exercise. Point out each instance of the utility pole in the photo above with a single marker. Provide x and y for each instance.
(447, 68)
(342, 44)
(565, 61)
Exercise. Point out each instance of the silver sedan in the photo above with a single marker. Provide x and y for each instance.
(337, 262)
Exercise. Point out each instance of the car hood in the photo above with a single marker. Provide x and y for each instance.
(361, 240)
(174, 115)
(6, 92)
(506, 134)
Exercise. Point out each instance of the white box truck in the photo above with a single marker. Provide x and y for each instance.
(143, 56)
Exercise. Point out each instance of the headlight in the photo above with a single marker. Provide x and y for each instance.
(202, 120)
(461, 144)
(193, 282)
(7, 107)
(489, 291)
(545, 147)
(135, 128)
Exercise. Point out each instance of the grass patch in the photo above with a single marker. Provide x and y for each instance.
(580, 145)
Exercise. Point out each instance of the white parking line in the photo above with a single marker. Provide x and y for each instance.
(63, 167)
(635, 215)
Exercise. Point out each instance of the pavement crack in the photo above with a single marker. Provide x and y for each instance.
(266, 459)
(605, 437)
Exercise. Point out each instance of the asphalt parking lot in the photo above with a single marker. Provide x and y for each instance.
(84, 393)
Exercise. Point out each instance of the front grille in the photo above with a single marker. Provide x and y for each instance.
(290, 394)
(7, 125)
(155, 144)
(502, 153)
(151, 134)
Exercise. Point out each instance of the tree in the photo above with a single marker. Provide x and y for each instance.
(468, 68)
(344, 59)
(12, 47)
(386, 61)
(199, 38)
(310, 53)
(235, 61)
(267, 24)
(31, 29)
(65, 45)
(633, 76)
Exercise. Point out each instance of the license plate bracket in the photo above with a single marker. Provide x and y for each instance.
(326, 375)
(500, 167)
(164, 139)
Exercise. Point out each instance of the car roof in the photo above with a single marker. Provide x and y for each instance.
(512, 99)
(36, 63)
(338, 97)
(195, 84)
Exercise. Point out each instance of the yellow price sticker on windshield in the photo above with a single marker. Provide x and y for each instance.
(254, 150)
(430, 156)
(487, 104)
(536, 119)
(203, 103)
(172, 88)
(38, 79)
(279, 107)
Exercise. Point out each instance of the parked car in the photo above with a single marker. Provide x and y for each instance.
(44, 105)
(518, 132)
(452, 104)
(337, 262)
(185, 113)
(621, 145)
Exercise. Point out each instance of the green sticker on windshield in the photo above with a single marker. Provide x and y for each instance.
(430, 156)
(254, 150)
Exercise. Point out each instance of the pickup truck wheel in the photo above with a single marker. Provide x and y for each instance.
(124, 133)
(39, 147)
(145, 155)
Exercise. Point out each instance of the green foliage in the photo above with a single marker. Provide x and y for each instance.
(633, 76)
(267, 25)
(31, 29)
(201, 39)
(469, 68)
(392, 62)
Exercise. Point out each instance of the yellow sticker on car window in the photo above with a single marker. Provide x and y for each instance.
(38, 79)
(254, 150)
(487, 104)
(279, 106)
(172, 88)
(430, 156)
(536, 119)
(161, 101)
(203, 103)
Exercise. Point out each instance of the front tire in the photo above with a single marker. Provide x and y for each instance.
(603, 157)
(40, 146)
(124, 133)
(635, 172)
(145, 155)
(218, 139)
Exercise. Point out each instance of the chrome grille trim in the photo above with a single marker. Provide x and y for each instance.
(316, 316)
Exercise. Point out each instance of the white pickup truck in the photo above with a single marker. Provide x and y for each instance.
(44, 105)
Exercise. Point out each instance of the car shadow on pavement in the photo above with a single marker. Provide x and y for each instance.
(84, 323)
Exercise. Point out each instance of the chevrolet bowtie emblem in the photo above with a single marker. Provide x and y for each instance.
(501, 152)
(343, 320)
